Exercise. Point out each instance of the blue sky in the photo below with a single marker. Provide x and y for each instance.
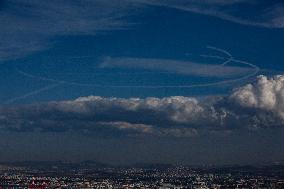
(94, 66)
(145, 31)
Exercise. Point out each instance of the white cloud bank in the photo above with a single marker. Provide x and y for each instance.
(253, 106)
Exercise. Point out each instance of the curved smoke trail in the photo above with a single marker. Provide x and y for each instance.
(229, 58)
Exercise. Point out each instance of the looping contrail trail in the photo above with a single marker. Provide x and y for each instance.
(154, 86)
(228, 58)
(220, 50)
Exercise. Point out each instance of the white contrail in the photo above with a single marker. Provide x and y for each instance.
(61, 82)
(37, 77)
(32, 93)
(229, 59)
(214, 56)
(173, 86)
(219, 50)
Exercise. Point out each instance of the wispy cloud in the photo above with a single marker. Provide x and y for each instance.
(29, 26)
(179, 67)
(271, 16)
(253, 106)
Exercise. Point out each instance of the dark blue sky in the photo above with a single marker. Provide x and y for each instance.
(151, 32)
(61, 51)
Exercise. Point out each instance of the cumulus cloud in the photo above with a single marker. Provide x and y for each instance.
(171, 116)
(266, 94)
(253, 106)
